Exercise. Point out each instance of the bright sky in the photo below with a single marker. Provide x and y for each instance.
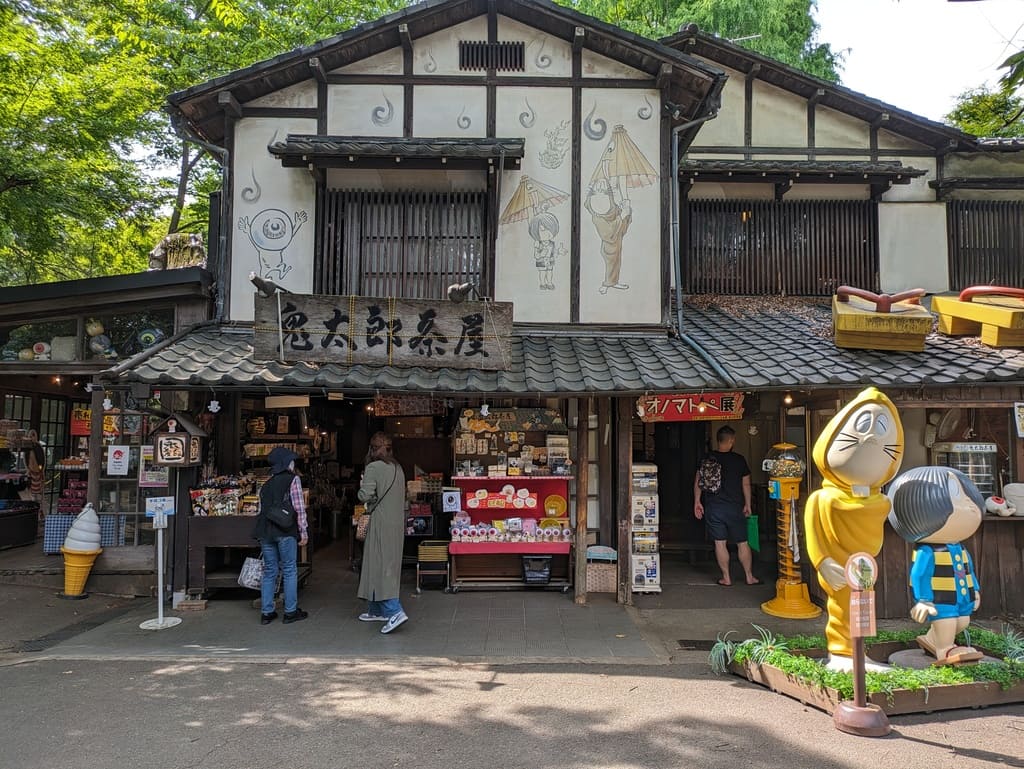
(919, 55)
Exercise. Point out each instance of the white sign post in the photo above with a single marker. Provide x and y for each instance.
(158, 508)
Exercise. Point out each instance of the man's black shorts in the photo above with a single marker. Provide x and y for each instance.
(725, 521)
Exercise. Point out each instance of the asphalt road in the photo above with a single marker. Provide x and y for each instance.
(108, 714)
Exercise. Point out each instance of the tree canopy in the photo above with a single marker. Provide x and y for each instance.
(781, 29)
(85, 147)
(987, 112)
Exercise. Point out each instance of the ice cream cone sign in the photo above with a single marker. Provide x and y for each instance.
(81, 547)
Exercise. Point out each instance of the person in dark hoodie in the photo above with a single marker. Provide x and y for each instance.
(280, 546)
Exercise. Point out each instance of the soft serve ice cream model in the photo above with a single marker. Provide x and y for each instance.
(81, 546)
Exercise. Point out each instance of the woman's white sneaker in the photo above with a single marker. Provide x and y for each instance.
(394, 622)
(367, 617)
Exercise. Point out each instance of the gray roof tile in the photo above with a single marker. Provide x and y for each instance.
(221, 355)
(760, 344)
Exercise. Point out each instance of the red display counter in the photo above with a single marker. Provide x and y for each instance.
(508, 565)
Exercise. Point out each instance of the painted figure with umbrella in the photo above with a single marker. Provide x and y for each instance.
(532, 202)
(621, 164)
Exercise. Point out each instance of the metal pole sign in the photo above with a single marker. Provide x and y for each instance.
(860, 718)
(158, 508)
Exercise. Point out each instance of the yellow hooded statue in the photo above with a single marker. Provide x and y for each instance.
(858, 452)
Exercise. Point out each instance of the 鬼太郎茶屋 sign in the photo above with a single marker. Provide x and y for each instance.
(434, 333)
(689, 407)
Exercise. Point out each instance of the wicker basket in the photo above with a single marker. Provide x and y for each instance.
(601, 577)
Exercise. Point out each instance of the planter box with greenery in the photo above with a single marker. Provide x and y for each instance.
(793, 666)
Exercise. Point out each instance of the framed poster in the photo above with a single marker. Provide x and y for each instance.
(1018, 418)
(151, 475)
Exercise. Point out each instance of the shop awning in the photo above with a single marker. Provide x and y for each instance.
(755, 343)
(781, 343)
(221, 355)
(302, 151)
(880, 175)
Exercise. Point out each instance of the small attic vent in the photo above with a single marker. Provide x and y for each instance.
(503, 57)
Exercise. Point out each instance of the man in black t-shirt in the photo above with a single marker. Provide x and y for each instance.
(725, 509)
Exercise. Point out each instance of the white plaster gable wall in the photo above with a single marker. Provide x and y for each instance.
(596, 65)
(887, 140)
(273, 229)
(918, 189)
(546, 56)
(837, 129)
(365, 110)
(385, 63)
(779, 117)
(543, 117)
(449, 111)
(438, 54)
(396, 179)
(641, 246)
(726, 130)
(299, 95)
(913, 251)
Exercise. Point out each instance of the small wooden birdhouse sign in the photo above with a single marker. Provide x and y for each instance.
(178, 442)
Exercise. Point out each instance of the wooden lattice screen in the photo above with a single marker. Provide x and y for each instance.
(790, 247)
(986, 243)
(400, 243)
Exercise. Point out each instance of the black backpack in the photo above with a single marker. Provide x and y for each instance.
(709, 474)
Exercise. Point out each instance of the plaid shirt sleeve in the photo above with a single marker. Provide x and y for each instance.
(299, 504)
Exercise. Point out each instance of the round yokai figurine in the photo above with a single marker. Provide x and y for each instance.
(935, 508)
(857, 453)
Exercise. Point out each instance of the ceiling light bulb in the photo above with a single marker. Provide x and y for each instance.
(702, 407)
(788, 399)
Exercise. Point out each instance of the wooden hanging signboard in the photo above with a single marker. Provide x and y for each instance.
(350, 330)
(690, 407)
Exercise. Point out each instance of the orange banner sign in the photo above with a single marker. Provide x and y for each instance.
(690, 407)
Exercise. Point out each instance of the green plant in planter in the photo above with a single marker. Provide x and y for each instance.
(768, 649)
(721, 654)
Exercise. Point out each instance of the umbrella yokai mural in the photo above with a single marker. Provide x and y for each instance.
(532, 202)
(622, 167)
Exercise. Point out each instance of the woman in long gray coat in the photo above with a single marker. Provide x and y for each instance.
(383, 491)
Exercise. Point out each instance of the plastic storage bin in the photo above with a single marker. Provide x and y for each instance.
(536, 569)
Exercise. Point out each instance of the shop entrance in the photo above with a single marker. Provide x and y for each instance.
(689, 571)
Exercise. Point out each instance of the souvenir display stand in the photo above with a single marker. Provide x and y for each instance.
(219, 530)
(508, 564)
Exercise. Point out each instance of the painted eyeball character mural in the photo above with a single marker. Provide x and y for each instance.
(271, 231)
(858, 452)
(935, 508)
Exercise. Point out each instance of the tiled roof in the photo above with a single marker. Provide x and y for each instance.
(761, 343)
(766, 343)
(364, 146)
(221, 355)
(822, 167)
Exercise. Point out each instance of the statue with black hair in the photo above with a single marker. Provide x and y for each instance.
(935, 508)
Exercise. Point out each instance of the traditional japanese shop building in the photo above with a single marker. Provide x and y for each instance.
(508, 205)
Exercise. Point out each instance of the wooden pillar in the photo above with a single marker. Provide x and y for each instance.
(605, 445)
(92, 492)
(582, 479)
(623, 481)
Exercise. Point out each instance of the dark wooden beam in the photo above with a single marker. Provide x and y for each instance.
(229, 104)
(318, 173)
(582, 483)
(623, 484)
(664, 78)
(748, 108)
(812, 109)
(405, 37)
(578, 36)
(881, 119)
(576, 164)
(781, 188)
(318, 69)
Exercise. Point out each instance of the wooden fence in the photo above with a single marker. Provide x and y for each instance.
(986, 243)
(781, 248)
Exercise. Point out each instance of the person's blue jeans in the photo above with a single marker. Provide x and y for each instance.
(280, 554)
(387, 608)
